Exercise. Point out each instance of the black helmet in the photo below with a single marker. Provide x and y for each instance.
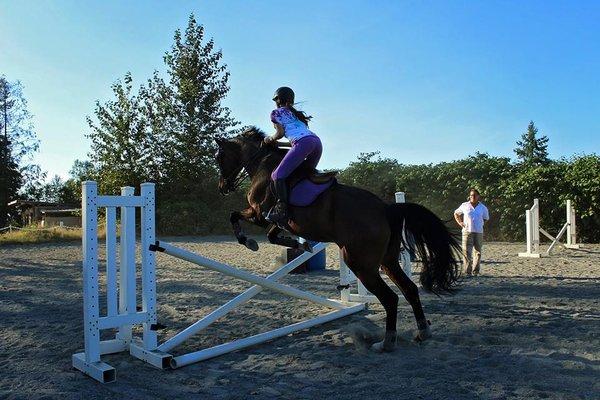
(284, 95)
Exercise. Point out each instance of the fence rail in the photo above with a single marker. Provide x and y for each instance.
(12, 228)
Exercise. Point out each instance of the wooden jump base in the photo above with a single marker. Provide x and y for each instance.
(533, 230)
(121, 308)
(348, 279)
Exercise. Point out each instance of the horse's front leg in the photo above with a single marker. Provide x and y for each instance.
(247, 215)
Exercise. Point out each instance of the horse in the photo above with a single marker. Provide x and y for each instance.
(367, 230)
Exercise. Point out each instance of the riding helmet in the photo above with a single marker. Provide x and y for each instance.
(284, 95)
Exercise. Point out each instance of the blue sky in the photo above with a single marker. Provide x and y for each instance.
(420, 81)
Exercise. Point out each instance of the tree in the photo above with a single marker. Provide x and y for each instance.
(10, 180)
(199, 82)
(532, 150)
(121, 145)
(374, 173)
(81, 171)
(165, 132)
(18, 143)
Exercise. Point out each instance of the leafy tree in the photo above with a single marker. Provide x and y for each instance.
(121, 143)
(80, 171)
(164, 132)
(10, 180)
(18, 143)
(16, 122)
(582, 175)
(375, 174)
(199, 83)
(532, 150)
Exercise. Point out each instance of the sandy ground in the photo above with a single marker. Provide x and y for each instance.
(526, 329)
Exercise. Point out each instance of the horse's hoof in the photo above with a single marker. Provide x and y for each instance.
(251, 244)
(423, 334)
(388, 344)
(306, 246)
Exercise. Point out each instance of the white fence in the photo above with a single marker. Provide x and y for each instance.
(533, 230)
(120, 289)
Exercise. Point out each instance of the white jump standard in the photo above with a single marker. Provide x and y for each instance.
(533, 230)
(126, 314)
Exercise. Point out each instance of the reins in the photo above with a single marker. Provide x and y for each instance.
(242, 174)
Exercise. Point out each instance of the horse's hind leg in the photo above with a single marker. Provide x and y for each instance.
(368, 273)
(274, 238)
(392, 268)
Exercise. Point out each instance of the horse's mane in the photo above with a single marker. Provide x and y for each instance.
(253, 133)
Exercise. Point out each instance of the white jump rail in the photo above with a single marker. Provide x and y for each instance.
(348, 279)
(533, 230)
(121, 310)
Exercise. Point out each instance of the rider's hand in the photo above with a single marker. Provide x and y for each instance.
(267, 140)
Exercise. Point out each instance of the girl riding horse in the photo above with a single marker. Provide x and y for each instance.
(306, 147)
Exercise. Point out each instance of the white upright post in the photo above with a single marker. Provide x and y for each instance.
(529, 230)
(532, 231)
(535, 228)
(127, 284)
(89, 361)
(405, 254)
(148, 233)
(91, 303)
(571, 227)
(111, 262)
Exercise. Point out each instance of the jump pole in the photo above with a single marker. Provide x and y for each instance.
(122, 312)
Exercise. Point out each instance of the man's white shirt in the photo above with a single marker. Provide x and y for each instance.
(473, 217)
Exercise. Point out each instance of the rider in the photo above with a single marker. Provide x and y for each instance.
(292, 124)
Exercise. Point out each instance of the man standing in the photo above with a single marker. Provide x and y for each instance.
(471, 216)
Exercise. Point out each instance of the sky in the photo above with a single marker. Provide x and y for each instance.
(419, 81)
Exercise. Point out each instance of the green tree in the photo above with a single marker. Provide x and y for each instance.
(18, 143)
(375, 174)
(531, 149)
(80, 171)
(164, 132)
(199, 83)
(10, 180)
(583, 177)
(121, 143)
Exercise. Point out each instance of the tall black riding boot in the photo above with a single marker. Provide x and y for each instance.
(278, 213)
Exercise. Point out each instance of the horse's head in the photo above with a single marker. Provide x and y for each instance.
(233, 155)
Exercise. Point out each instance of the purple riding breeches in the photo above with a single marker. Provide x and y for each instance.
(308, 148)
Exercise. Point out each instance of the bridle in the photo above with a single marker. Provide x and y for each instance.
(239, 175)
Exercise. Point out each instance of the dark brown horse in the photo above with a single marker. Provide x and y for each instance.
(367, 230)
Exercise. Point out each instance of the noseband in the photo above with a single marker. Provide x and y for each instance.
(235, 178)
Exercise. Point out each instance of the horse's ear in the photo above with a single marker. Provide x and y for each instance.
(219, 141)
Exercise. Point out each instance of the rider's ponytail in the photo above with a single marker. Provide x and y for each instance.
(301, 115)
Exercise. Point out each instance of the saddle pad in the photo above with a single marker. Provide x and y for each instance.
(305, 192)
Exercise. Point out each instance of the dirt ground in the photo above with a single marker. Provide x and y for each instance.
(525, 329)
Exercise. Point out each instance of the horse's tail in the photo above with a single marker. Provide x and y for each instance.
(428, 237)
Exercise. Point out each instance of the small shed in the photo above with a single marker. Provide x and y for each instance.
(47, 214)
(68, 217)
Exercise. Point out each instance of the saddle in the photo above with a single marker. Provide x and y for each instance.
(315, 176)
(305, 185)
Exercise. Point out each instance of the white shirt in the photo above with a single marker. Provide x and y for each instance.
(473, 217)
(294, 129)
